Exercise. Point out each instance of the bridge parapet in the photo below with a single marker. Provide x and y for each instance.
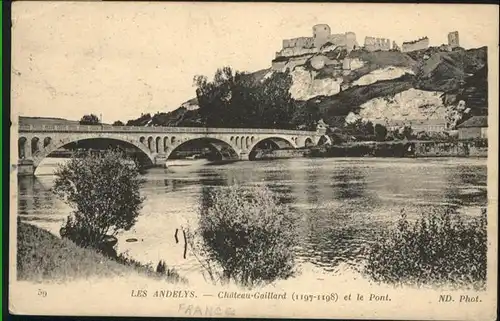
(157, 129)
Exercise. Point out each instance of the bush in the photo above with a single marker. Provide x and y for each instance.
(104, 193)
(247, 235)
(437, 249)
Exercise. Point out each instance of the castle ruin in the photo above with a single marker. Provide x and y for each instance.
(375, 44)
(419, 44)
(322, 36)
(453, 39)
(395, 46)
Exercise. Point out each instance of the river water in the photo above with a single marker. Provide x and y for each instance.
(344, 203)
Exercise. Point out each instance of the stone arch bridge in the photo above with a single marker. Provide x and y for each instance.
(156, 144)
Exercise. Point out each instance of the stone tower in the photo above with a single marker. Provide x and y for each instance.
(321, 33)
(453, 40)
(350, 40)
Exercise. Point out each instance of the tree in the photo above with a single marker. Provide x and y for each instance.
(407, 132)
(236, 99)
(103, 191)
(141, 121)
(360, 129)
(380, 132)
(90, 120)
(277, 105)
(307, 116)
(118, 123)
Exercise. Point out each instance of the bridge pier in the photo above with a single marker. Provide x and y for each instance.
(160, 160)
(25, 167)
(244, 156)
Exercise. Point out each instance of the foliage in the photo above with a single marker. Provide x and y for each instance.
(439, 248)
(307, 116)
(235, 99)
(118, 123)
(380, 132)
(43, 256)
(90, 120)
(405, 132)
(247, 235)
(104, 192)
(363, 130)
(141, 121)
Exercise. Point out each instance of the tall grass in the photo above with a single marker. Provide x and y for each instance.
(42, 256)
(439, 248)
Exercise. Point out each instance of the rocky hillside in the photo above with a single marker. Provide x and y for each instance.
(419, 85)
(374, 85)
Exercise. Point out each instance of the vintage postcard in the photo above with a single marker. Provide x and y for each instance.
(188, 159)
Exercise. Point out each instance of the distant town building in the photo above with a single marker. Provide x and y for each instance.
(453, 39)
(419, 44)
(395, 46)
(474, 127)
(321, 126)
(429, 125)
(417, 125)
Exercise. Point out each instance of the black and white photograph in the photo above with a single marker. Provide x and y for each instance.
(256, 160)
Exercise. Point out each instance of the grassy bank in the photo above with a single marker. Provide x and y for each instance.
(42, 256)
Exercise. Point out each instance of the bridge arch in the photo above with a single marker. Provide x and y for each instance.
(46, 141)
(150, 143)
(224, 148)
(278, 142)
(21, 144)
(35, 147)
(57, 144)
(158, 145)
(165, 143)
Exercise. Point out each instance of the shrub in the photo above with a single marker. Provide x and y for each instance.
(437, 249)
(104, 192)
(248, 235)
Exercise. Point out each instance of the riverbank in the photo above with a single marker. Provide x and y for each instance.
(41, 256)
(409, 148)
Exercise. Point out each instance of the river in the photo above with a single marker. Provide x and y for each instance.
(344, 202)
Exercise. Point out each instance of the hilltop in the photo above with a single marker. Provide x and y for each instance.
(378, 85)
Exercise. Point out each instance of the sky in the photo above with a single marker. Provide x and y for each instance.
(121, 59)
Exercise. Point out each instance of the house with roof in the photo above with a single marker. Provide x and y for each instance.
(474, 127)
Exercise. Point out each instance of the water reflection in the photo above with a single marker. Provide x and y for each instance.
(33, 196)
(343, 203)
